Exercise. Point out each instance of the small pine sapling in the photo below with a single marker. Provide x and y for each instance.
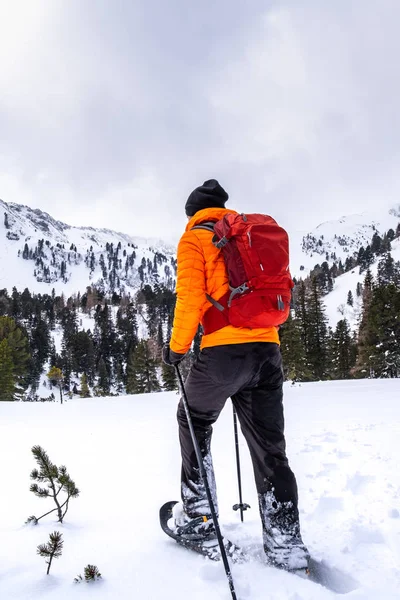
(91, 573)
(53, 548)
(58, 481)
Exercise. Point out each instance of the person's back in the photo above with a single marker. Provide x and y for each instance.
(201, 273)
(238, 362)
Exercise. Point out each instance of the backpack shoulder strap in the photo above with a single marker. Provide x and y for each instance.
(207, 225)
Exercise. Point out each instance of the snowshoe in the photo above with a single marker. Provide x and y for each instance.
(196, 534)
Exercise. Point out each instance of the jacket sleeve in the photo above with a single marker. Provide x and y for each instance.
(190, 291)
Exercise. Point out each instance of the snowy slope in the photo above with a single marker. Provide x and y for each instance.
(343, 443)
(20, 225)
(341, 237)
(335, 301)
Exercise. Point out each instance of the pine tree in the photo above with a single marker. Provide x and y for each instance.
(386, 245)
(342, 351)
(390, 235)
(131, 373)
(365, 258)
(301, 310)
(104, 338)
(294, 355)
(84, 391)
(168, 378)
(142, 370)
(90, 572)
(40, 343)
(388, 271)
(317, 333)
(53, 548)
(376, 243)
(350, 300)
(58, 482)
(27, 305)
(103, 383)
(83, 354)
(379, 351)
(5, 302)
(15, 304)
(7, 382)
(66, 362)
(17, 341)
(127, 330)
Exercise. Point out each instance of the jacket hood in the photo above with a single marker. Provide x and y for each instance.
(208, 214)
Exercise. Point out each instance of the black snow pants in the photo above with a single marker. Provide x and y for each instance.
(251, 375)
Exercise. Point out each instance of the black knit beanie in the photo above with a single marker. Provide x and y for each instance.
(208, 195)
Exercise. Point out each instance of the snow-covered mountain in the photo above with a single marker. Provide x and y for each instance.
(41, 253)
(335, 301)
(339, 239)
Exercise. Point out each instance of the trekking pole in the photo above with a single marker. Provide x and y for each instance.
(203, 475)
(240, 506)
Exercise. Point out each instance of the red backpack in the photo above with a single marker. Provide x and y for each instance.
(256, 253)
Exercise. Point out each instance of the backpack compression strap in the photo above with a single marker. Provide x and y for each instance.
(207, 225)
(213, 319)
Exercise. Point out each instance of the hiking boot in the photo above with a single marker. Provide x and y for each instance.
(285, 550)
(197, 528)
(282, 540)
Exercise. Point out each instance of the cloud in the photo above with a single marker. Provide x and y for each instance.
(310, 101)
(111, 114)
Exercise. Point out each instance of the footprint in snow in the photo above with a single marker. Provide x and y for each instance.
(327, 468)
(327, 504)
(357, 483)
(311, 448)
(367, 535)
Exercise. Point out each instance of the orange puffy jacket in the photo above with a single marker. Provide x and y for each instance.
(201, 271)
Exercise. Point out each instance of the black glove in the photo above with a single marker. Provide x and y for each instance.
(170, 357)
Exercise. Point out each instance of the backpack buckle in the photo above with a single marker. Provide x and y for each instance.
(239, 290)
(221, 243)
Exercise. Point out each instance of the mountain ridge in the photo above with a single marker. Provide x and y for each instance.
(42, 253)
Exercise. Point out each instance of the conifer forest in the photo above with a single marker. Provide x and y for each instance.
(98, 344)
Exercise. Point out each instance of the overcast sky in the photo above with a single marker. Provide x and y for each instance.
(112, 111)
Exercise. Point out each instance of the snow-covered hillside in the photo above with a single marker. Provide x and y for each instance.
(335, 301)
(343, 443)
(40, 253)
(340, 238)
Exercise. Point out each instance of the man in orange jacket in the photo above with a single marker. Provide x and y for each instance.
(237, 362)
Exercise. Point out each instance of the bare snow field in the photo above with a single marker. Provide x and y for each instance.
(343, 443)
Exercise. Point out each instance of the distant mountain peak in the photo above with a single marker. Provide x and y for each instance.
(340, 238)
(39, 251)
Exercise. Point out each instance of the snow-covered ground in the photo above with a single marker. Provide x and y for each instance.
(343, 441)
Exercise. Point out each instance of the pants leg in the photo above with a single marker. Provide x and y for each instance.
(206, 399)
(259, 407)
(217, 374)
(251, 374)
